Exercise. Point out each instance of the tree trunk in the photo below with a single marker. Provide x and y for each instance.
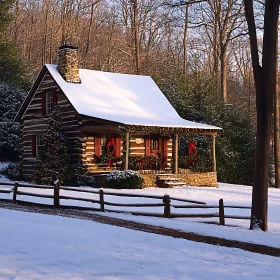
(276, 132)
(265, 79)
(136, 36)
(185, 38)
(223, 75)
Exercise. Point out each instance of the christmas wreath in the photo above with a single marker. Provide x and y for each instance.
(111, 146)
(192, 150)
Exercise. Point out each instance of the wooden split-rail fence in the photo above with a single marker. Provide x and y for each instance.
(165, 202)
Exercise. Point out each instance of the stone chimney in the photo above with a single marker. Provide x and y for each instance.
(68, 63)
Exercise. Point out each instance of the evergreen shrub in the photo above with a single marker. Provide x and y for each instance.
(80, 177)
(125, 179)
(54, 161)
(12, 171)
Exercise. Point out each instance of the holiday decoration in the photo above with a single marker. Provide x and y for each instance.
(111, 146)
(192, 150)
(198, 163)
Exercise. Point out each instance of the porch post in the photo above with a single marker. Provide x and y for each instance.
(176, 138)
(127, 150)
(214, 152)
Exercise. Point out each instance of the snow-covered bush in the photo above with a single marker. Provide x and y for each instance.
(125, 179)
(12, 171)
(11, 99)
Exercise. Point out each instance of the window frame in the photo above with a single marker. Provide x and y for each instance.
(49, 102)
(155, 143)
(40, 143)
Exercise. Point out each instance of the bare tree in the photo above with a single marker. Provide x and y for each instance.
(265, 85)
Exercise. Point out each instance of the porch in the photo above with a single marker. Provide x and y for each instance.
(152, 151)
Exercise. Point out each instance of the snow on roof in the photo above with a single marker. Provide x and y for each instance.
(122, 98)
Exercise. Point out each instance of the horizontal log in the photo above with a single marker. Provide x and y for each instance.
(133, 195)
(210, 215)
(134, 205)
(36, 186)
(237, 217)
(187, 200)
(236, 206)
(79, 198)
(195, 206)
(79, 190)
(7, 183)
(6, 191)
(34, 194)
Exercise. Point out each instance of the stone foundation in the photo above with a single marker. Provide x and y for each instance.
(207, 179)
(149, 180)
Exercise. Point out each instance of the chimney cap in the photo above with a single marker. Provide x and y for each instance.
(68, 46)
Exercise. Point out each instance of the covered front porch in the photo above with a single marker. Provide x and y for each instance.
(203, 175)
(153, 150)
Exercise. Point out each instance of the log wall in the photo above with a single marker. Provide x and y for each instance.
(34, 123)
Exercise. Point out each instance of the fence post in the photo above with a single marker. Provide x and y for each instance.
(56, 193)
(101, 198)
(166, 201)
(15, 192)
(221, 212)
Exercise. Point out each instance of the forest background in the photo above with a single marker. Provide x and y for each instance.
(198, 54)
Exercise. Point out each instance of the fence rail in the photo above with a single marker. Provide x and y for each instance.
(165, 202)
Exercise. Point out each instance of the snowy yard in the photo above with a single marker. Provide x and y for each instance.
(37, 246)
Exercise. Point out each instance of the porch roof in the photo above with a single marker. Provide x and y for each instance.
(122, 98)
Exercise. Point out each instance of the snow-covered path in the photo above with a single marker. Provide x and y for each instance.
(36, 246)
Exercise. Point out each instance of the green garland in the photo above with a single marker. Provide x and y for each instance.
(164, 130)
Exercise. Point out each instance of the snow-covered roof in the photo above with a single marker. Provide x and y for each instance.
(122, 98)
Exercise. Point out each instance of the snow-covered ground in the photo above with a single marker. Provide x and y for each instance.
(36, 246)
(232, 195)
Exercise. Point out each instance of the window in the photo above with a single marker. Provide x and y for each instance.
(155, 143)
(49, 102)
(39, 144)
(103, 142)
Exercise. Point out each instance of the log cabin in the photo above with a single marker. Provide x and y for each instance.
(119, 115)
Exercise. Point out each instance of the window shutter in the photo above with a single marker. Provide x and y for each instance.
(54, 98)
(34, 145)
(165, 149)
(43, 103)
(118, 145)
(147, 145)
(97, 146)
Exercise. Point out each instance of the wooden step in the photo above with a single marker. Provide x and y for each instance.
(175, 183)
(170, 179)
